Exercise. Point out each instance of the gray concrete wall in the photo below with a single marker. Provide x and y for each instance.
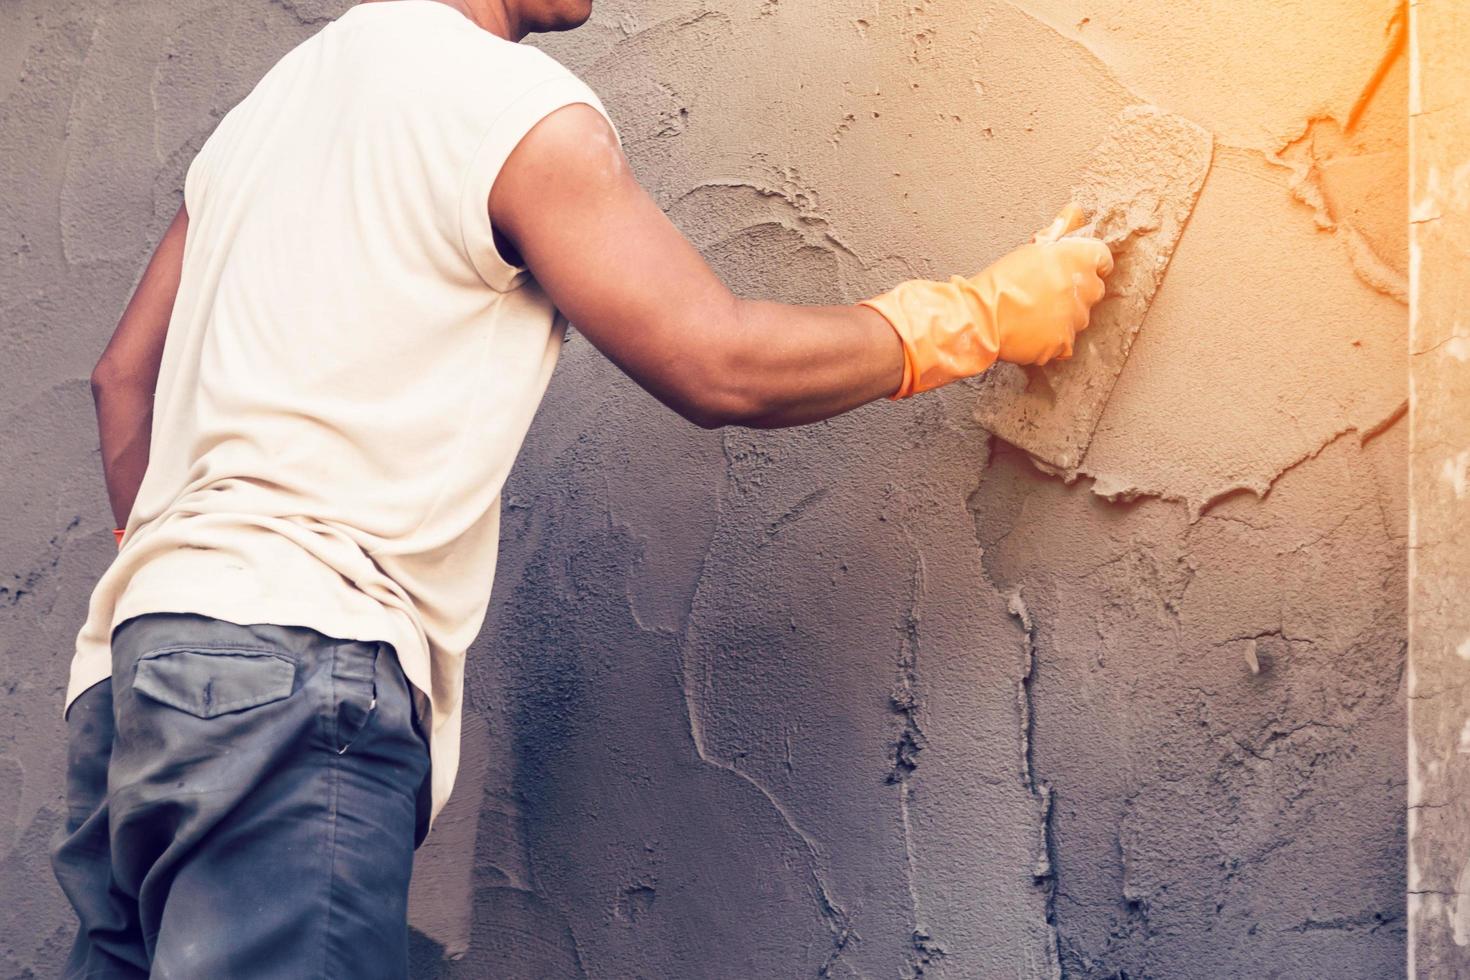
(873, 698)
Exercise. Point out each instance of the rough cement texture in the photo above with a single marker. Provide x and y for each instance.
(1439, 468)
(873, 698)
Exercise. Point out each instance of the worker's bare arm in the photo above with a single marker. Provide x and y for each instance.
(127, 373)
(639, 291)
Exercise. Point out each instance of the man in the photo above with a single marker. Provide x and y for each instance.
(307, 414)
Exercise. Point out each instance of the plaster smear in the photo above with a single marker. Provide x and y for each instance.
(1357, 182)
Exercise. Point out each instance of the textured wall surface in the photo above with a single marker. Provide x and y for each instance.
(872, 698)
(1439, 563)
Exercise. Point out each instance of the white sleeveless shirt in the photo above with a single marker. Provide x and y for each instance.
(350, 366)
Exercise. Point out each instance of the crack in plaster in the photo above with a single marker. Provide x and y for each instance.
(905, 699)
(925, 951)
(1043, 870)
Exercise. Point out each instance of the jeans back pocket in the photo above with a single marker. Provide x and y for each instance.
(206, 682)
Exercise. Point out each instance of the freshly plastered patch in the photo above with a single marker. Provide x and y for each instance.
(1239, 372)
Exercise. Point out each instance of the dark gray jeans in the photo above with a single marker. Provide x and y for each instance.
(242, 801)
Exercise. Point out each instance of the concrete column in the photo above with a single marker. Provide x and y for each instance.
(1439, 474)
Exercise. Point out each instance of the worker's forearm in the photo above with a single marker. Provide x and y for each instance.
(127, 373)
(802, 364)
(124, 424)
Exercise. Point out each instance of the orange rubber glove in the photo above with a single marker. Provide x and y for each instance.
(1025, 308)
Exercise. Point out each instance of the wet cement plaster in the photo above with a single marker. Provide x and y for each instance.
(1439, 468)
(875, 698)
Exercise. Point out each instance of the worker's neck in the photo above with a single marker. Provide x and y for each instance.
(495, 16)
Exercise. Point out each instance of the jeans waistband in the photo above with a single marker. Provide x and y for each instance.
(141, 632)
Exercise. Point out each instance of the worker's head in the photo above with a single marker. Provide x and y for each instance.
(538, 16)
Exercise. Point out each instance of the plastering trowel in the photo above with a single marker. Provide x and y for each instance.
(1136, 194)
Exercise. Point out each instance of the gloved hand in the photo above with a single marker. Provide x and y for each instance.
(1025, 308)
